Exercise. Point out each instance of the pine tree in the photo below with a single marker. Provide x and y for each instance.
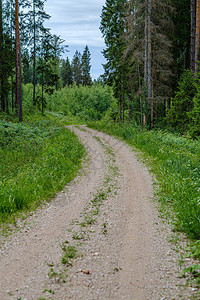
(193, 32)
(1, 57)
(34, 24)
(18, 64)
(197, 37)
(86, 66)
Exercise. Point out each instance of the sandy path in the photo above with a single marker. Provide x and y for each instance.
(129, 259)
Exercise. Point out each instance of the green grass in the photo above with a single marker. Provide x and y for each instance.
(176, 163)
(37, 159)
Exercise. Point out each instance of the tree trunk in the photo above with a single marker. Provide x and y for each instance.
(42, 90)
(34, 54)
(18, 65)
(123, 102)
(1, 59)
(149, 65)
(197, 35)
(20, 84)
(146, 43)
(17, 57)
(193, 31)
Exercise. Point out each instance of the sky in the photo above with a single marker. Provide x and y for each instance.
(78, 22)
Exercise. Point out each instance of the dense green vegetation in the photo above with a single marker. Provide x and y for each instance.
(151, 80)
(84, 103)
(37, 159)
(175, 161)
(78, 104)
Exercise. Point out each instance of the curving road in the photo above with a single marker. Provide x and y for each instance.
(122, 254)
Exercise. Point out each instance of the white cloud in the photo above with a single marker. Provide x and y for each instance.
(77, 22)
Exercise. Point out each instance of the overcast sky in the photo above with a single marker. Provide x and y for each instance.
(77, 22)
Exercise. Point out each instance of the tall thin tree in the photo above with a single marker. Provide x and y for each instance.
(193, 31)
(197, 36)
(1, 58)
(18, 64)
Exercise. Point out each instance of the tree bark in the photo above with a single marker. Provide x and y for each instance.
(193, 31)
(146, 43)
(149, 65)
(197, 35)
(17, 57)
(18, 65)
(1, 59)
(34, 54)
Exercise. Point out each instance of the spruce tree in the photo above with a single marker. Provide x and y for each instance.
(77, 68)
(148, 53)
(182, 103)
(86, 66)
(113, 26)
(66, 72)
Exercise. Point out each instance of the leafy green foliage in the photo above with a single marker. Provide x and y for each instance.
(84, 103)
(35, 163)
(182, 103)
(194, 115)
(176, 162)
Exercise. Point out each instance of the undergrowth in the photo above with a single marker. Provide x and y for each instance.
(37, 159)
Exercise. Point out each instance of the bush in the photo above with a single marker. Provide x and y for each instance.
(83, 102)
(35, 163)
(182, 103)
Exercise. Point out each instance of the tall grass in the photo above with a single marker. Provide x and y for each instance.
(176, 163)
(35, 163)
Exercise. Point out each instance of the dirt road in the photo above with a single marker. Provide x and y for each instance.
(107, 219)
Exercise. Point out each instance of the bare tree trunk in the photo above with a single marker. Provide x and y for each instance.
(149, 65)
(146, 42)
(12, 83)
(123, 101)
(197, 36)
(193, 31)
(1, 59)
(42, 89)
(18, 65)
(17, 56)
(34, 54)
(20, 83)
(143, 117)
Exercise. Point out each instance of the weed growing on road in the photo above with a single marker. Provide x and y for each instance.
(58, 277)
(70, 253)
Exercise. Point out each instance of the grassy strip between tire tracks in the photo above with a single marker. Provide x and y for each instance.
(176, 163)
(36, 161)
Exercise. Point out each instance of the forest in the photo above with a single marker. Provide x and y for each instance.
(152, 56)
(149, 96)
